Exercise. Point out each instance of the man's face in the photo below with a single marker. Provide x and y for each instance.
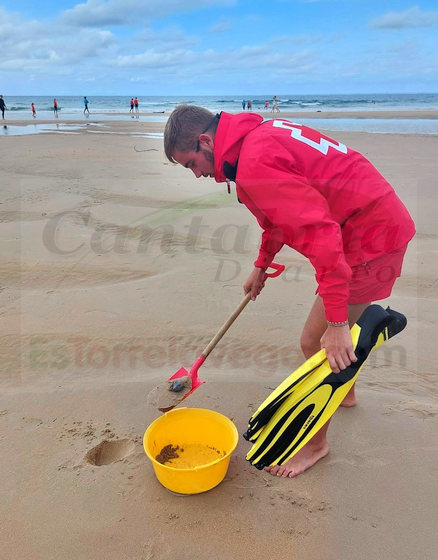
(202, 162)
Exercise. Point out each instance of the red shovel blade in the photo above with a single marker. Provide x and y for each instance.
(182, 372)
(193, 374)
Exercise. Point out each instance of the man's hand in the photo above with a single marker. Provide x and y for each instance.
(339, 347)
(255, 283)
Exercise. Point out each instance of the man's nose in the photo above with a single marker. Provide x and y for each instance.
(197, 173)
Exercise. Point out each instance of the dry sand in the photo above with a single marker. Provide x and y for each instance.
(96, 311)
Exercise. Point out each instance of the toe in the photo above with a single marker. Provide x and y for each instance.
(293, 473)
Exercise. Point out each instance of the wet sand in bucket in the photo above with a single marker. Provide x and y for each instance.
(188, 456)
(168, 453)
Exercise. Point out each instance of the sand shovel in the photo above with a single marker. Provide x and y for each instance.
(183, 382)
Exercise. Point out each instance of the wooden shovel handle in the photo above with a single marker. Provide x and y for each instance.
(279, 268)
(227, 325)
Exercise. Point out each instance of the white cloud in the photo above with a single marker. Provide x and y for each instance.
(220, 26)
(297, 71)
(296, 40)
(154, 59)
(97, 13)
(412, 18)
(169, 38)
(248, 60)
(29, 45)
(14, 28)
(406, 51)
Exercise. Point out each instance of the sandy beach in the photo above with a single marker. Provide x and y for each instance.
(117, 268)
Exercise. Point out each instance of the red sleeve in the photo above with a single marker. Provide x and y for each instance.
(272, 242)
(292, 212)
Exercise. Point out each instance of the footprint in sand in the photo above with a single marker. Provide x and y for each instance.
(107, 452)
(414, 408)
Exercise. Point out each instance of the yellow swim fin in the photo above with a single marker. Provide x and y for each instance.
(306, 400)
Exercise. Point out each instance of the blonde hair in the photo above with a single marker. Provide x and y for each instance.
(183, 127)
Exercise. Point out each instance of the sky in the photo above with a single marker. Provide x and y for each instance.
(214, 47)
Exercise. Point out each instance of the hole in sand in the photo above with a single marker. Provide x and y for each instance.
(108, 452)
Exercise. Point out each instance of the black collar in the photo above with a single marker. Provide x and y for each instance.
(230, 172)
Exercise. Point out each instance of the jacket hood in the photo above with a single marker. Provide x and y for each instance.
(230, 133)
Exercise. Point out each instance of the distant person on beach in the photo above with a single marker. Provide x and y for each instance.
(2, 106)
(55, 107)
(275, 108)
(132, 105)
(32, 106)
(317, 196)
(249, 105)
(136, 105)
(266, 105)
(86, 110)
(243, 105)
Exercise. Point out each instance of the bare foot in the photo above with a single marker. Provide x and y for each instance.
(350, 399)
(303, 460)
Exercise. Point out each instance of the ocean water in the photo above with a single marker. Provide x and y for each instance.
(73, 105)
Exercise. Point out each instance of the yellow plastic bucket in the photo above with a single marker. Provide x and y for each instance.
(205, 440)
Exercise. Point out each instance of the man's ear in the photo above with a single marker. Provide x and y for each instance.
(206, 141)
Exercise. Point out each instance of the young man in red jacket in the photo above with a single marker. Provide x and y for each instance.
(317, 196)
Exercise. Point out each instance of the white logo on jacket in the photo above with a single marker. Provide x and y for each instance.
(322, 146)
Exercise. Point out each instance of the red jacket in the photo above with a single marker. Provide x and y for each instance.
(314, 194)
